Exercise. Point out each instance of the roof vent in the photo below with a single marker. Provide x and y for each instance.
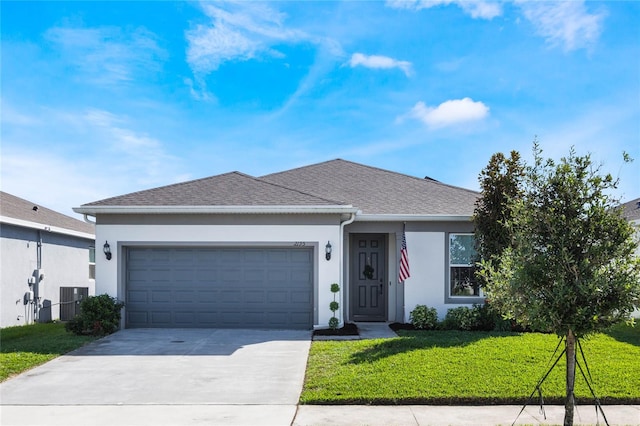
(35, 209)
(637, 204)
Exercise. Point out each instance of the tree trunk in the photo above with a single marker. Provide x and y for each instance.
(571, 378)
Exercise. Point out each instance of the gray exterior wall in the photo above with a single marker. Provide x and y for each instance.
(219, 219)
(65, 261)
(428, 259)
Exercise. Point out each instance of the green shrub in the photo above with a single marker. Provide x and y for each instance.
(503, 324)
(460, 318)
(489, 319)
(485, 318)
(99, 316)
(333, 307)
(334, 323)
(424, 318)
(477, 318)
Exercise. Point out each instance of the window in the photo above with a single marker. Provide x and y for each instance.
(92, 263)
(462, 257)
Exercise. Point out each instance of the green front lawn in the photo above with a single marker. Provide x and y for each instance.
(27, 346)
(453, 367)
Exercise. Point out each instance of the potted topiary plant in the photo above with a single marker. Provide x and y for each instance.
(333, 306)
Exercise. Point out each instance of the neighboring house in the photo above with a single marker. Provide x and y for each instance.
(239, 251)
(47, 262)
(631, 212)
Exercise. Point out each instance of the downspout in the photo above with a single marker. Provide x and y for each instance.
(36, 286)
(86, 219)
(341, 264)
(39, 251)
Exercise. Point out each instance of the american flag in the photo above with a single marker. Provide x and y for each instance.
(404, 259)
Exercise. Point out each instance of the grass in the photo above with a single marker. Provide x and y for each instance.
(452, 367)
(27, 346)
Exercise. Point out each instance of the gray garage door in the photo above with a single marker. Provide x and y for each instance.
(219, 287)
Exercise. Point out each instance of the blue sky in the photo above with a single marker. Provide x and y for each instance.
(104, 98)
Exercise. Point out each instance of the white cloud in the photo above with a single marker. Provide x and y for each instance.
(481, 9)
(238, 31)
(99, 117)
(51, 180)
(379, 62)
(244, 31)
(10, 116)
(141, 150)
(108, 55)
(75, 157)
(564, 23)
(199, 91)
(449, 113)
(477, 9)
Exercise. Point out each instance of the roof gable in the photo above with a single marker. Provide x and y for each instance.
(28, 211)
(229, 189)
(377, 191)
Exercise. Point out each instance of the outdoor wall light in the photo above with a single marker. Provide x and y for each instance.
(106, 248)
(327, 250)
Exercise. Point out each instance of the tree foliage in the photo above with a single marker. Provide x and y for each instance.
(500, 182)
(571, 263)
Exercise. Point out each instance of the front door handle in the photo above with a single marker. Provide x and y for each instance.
(381, 287)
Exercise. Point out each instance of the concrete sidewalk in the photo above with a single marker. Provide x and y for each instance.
(306, 415)
(422, 415)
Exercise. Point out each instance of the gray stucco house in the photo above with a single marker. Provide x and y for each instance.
(46, 262)
(234, 250)
(631, 212)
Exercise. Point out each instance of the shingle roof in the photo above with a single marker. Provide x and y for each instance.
(631, 210)
(332, 183)
(229, 189)
(19, 208)
(377, 191)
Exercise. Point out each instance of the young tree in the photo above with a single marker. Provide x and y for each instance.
(570, 268)
(500, 182)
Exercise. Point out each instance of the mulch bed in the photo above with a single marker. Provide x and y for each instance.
(395, 326)
(349, 329)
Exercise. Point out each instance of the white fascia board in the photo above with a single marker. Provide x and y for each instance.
(411, 218)
(47, 228)
(94, 210)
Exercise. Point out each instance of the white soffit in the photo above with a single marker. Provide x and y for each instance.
(44, 227)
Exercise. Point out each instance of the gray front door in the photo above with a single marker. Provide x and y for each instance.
(256, 287)
(368, 277)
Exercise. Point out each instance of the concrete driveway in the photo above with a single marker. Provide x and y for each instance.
(149, 376)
